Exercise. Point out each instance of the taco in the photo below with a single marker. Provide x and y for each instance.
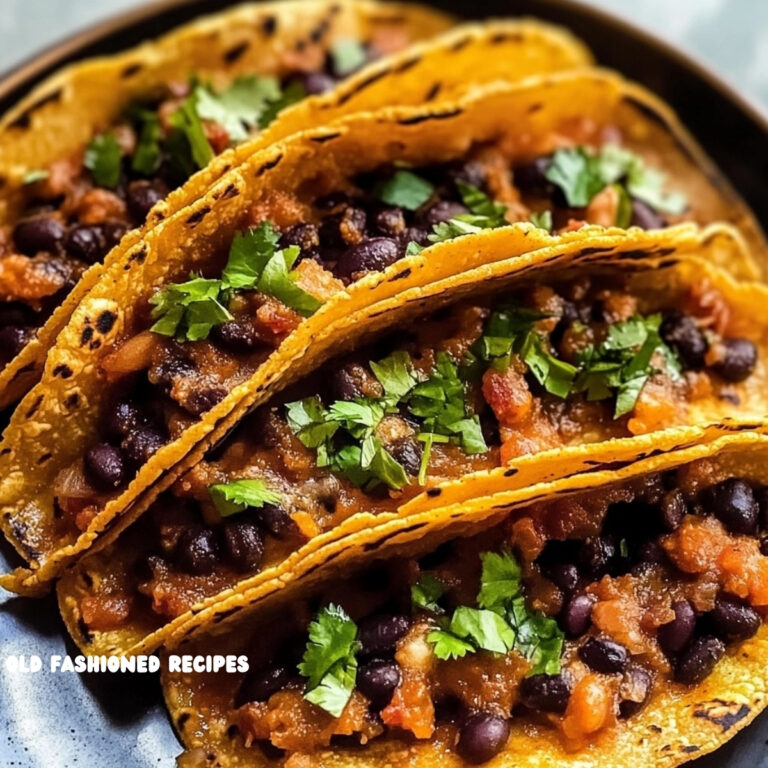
(214, 304)
(615, 613)
(559, 354)
(156, 130)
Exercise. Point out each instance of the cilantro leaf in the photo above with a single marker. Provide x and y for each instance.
(501, 579)
(329, 662)
(486, 630)
(148, 154)
(190, 146)
(480, 205)
(255, 263)
(395, 375)
(103, 158)
(449, 646)
(577, 173)
(426, 592)
(308, 421)
(555, 375)
(542, 220)
(240, 108)
(30, 177)
(347, 56)
(238, 495)
(188, 311)
(405, 190)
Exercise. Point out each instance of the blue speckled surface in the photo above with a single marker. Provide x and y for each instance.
(106, 721)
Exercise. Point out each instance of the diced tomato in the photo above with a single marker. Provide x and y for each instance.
(318, 281)
(411, 706)
(696, 545)
(102, 613)
(276, 317)
(590, 707)
(508, 395)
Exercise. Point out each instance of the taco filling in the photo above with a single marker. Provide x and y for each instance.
(204, 336)
(570, 615)
(468, 388)
(78, 209)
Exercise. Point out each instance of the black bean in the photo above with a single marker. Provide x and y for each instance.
(17, 313)
(276, 520)
(141, 443)
(304, 235)
(471, 172)
(546, 693)
(243, 545)
(681, 333)
(332, 200)
(481, 737)
(676, 634)
(645, 217)
(371, 255)
(346, 382)
(407, 451)
(315, 83)
(649, 552)
(141, 197)
(733, 619)
(120, 419)
(201, 400)
(733, 503)
(764, 546)
(441, 211)
(576, 615)
(87, 243)
(651, 489)
(38, 233)
(105, 467)
(604, 655)
(672, 510)
(260, 683)
(739, 360)
(113, 233)
(196, 551)
(377, 680)
(635, 691)
(699, 659)
(761, 494)
(236, 336)
(379, 634)
(596, 556)
(390, 222)
(531, 178)
(341, 229)
(12, 340)
(563, 575)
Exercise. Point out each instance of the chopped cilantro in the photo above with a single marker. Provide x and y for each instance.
(347, 55)
(189, 145)
(502, 623)
(581, 174)
(577, 172)
(405, 190)
(329, 662)
(438, 401)
(149, 154)
(555, 375)
(103, 158)
(238, 495)
(542, 220)
(426, 592)
(30, 177)
(188, 311)
(480, 205)
(241, 107)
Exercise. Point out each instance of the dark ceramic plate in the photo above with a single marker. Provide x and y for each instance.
(99, 721)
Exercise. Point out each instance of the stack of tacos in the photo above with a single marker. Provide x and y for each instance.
(443, 375)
